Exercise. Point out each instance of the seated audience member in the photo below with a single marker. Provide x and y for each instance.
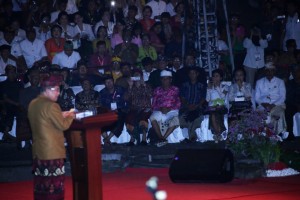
(88, 99)
(56, 43)
(147, 22)
(100, 60)
(147, 65)
(136, 3)
(177, 20)
(115, 70)
(19, 32)
(117, 35)
(85, 30)
(66, 96)
(170, 8)
(174, 46)
(181, 75)
(227, 73)
(33, 49)
(155, 38)
(29, 93)
(91, 12)
(155, 77)
(61, 7)
(4, 58)
(240, 92)
(192, 95)
(127, 51)
(112, 98)
(23, 129)
(270, 57)
(139, 96)
(167, 31)
(158, 7)
(137, 30)
(81, 73)
(216, 98)
(9, 38)
(43, 28)
(105, 21)
(67, 58)
(270, 95)
(292, 98)
(126, 74)
(85, 36)
(9, 95)
(102, 36)
(165, 106)
(130, 20)
(67, 30)
(176, 64)
(146, 50)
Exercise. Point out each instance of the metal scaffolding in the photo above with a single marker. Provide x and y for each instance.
(206, 34)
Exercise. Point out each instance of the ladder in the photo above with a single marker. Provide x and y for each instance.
(206, 34)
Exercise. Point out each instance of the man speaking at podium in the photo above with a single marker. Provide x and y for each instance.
(48, 122)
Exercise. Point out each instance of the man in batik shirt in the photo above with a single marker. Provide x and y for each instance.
(139, 96)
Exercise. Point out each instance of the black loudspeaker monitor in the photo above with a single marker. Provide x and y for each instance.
(202, 165)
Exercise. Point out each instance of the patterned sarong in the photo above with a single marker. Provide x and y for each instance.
(48, 182)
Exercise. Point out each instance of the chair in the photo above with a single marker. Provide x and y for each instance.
(76, 89)
(3, 78)
(204, 133)
(296, 124)
(99, 87)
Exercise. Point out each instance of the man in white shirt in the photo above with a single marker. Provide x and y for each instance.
(158, 7)
(170, 7)
(292, 26)
(43, 30)
(270, 94)
(19, 33)
(4, 58)
(68, 58)
(62, 6)
(10, 39)
(32, 48)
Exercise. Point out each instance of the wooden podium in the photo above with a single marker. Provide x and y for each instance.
(84, 147)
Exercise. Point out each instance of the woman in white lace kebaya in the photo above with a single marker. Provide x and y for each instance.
(240, 93)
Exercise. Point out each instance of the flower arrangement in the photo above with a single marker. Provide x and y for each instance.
(253, 136)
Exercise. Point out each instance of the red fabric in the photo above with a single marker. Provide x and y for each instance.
(277, 166)
(48, 179)
(147, 24)
(52, 48)
(130, 185)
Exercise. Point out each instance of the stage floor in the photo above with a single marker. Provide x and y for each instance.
(15, 165)
(129, 184)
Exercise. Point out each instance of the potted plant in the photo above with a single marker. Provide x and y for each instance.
(253, 136)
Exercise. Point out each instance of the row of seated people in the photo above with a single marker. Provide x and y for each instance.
(167, 107)
(130, 41)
